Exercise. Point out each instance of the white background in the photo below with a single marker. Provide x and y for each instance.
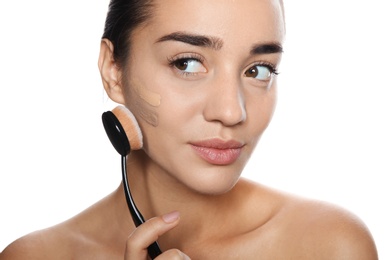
(329, 139)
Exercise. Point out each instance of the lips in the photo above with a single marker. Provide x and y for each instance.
(217, 151)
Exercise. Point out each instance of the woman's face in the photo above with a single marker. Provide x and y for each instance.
(200, 81)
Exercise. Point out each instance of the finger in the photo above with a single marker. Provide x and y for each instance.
(147, 233)
(173, 254)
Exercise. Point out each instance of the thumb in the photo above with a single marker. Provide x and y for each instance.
(149, 232)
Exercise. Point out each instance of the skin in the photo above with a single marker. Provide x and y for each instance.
(145, 103)
(205, 210)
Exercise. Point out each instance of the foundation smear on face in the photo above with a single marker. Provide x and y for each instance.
(146, 104)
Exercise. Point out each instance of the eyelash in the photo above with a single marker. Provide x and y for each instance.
(272, 68)
(173, 60)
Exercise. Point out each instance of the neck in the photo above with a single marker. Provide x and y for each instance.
(156, 192)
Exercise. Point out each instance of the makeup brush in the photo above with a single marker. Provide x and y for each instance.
(125, 135)
(122, 130)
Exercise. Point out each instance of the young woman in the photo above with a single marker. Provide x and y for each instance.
(200, 77)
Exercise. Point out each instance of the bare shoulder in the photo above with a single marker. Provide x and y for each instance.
(80, 237)
(311, 229)
(331, 231)
(43, 244)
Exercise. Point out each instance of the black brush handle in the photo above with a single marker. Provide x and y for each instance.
(153, 250)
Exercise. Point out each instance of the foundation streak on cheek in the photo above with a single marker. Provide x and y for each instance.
(146, 104)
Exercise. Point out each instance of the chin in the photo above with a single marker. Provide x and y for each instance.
(214, 184)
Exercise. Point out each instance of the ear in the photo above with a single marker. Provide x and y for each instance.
(110, 72)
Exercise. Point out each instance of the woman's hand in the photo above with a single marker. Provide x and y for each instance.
(147, 233)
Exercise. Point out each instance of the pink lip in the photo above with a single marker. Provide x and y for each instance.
(217, 151)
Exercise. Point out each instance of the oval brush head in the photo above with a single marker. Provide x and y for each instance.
(130, 125)
(122, 130)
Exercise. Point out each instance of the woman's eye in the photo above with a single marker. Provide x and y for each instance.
(189, 65)
(260, 72)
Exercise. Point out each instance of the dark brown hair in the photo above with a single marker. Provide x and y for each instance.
(123, 17)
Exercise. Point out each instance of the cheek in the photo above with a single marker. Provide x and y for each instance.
(160, 124)
(144, 111)
(260, 111)
(179, 107)
(144, 103)
(179, 121)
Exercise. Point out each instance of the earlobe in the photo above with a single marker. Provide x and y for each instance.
(109, 71)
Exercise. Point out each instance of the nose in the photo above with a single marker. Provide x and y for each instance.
(225, 102)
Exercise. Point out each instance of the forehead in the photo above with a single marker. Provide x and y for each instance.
(233, 20)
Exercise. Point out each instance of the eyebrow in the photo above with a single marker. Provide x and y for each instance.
(192, 39)
(266, 48)
(217, 43)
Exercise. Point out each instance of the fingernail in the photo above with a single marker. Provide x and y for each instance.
(184, 256)
(171, 217)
